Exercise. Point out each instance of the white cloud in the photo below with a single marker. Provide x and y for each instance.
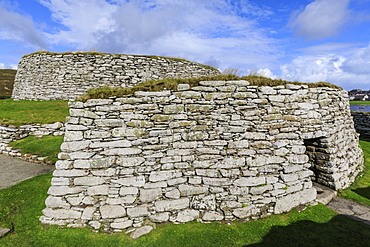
(196, 30)
(349, 72)
(321, 19)
(19, 28)
(11, 66)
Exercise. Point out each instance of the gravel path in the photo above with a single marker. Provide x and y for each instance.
(14, 170)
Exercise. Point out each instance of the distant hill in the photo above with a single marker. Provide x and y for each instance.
(7, 77)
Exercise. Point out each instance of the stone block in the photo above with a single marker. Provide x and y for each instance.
(217, 181)
(286, 203)
(141, 231)
(246, 211)
(159, 218)
(112, 211)
(61, 213)
(212, 216)
(89, 181)
(122, 224)
(187, 215)
(250, 181)
(137, 181)
(149, 195)
(137, 211)
(164, 175)
(122, 151)
(128, 162)
(188, 190)
(64, 190)
(171, 205)
(98, 190)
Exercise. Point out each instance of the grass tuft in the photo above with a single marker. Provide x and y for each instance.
(171, 84)
(46, 146)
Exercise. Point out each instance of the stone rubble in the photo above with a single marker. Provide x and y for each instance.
(220, 151)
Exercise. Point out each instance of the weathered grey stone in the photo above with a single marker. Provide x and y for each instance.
(128, 162)
(217, 181)
(61, 213)
(112, 211)
(173, 194)
(138, 211)
(188, 190)
(138, 181)
(164, 175)
(56, 202)
(88, 212)
(246, 211)
(159, 218)
(187, 215)
(90, 181)
(122, 151)
(64, 190)
(98, 190)
(250, 181)
(122, 224)
(212, 216)
(141, 231)
(128, 191)
(170, 205)
(204, 202)
(149, 195)
(74, 146)
(288, 202)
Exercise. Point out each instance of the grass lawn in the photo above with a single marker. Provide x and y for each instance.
(26, 112)
(46, 146)
(21, 205)
(360, 190)
(359, 102)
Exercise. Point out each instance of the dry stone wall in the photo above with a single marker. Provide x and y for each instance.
(47, 76)
(362, 123)
(219, 151)
(9, 133)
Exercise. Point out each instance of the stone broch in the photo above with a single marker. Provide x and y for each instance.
(219, 151)
(51, 76)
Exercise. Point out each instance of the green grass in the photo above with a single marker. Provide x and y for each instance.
(46, 146)
(360, 190)
(359, 102)
(21, 205)
(7, 77)
(171, 84)
(26, 112)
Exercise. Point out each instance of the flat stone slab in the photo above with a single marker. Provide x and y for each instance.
(3, 231)
(351, 209)
(324, 194)
(15, 170)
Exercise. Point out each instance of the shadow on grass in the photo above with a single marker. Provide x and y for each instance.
(339, 231)
(365, 192)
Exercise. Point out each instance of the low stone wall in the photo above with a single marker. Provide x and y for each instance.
(14, 133)
(219, 151)
(48, 76)
(362, 123)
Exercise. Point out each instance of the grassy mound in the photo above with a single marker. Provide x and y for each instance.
(7, 77)
(26, 112)
(171, 84)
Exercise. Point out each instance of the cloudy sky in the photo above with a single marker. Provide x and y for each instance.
(302, 40)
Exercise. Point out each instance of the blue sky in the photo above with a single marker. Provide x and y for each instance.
(302, 40)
